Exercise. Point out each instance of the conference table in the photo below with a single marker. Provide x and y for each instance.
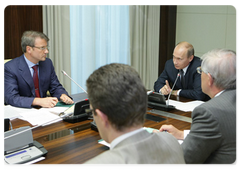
(75, 143)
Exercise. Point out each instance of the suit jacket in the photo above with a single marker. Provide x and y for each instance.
(19, 88)
(212, 138)
(143, 148)
(193, 88)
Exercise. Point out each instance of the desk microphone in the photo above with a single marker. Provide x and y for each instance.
(77, 118)
(73, 80)
(178, 75)
(79, 108)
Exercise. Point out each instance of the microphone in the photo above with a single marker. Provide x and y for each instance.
(178, 75)
(73, 80)
(77, 115)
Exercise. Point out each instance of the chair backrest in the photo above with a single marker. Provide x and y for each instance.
(3, 62)
(7, 60)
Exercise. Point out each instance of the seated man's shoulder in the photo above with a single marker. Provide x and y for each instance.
(197, 60)
(110, 156)
(170, 61)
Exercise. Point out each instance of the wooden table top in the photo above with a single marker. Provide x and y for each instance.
(73, 143)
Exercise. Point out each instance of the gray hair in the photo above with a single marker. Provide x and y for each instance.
(221, 64)
(28, 39)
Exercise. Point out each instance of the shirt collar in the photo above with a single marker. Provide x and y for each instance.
(122, 137)
(218, 94)
(29, 63)
(185, 70)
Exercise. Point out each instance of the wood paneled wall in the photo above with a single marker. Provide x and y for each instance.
(167, 34)
(18, 19)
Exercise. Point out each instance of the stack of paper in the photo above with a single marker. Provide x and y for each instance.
(34, 116)
(187, 106)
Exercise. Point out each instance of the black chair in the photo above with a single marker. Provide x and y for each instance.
(6, 124)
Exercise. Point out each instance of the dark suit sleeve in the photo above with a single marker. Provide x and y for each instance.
(204, 136)
(11, 90)
(161, 80)
(196, 92)
(56, 89)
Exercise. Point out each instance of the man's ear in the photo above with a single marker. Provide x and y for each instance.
(28, 49)
(191, 58)
(102, 117)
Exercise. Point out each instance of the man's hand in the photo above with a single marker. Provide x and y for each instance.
(172, 130)
(165, 90)
(174, 92)
(47, 102)
(64, 98)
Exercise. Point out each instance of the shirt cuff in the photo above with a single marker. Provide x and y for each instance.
(186, 132)
(160, 91)
(178, 92)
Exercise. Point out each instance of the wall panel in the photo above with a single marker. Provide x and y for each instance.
(18, 19)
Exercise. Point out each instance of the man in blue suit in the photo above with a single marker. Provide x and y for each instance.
(21, 88)
(185, 64)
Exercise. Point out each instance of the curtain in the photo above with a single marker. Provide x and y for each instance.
(99, 36)
(56, 25)
(83, 38)
(144, 42)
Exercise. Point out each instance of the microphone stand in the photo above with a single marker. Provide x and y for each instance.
(172, 89)
(73, 80)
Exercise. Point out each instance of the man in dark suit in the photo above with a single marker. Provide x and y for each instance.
(118, 100)
(189, 83)
(212, 137)
(28, 78)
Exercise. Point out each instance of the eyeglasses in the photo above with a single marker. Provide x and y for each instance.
(88, 111)
(199, 70)
(41, 48)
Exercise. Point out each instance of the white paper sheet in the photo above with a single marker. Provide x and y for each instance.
(39, 117)
(185, 106)
(34, 161)
(14, 112)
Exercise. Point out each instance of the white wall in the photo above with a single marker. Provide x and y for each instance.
(207, 27)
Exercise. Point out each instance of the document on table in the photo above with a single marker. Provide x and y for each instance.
(55, 110)
(12, 112)
(34, 116)
(185, 106)
(39, 117)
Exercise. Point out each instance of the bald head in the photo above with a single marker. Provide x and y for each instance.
(185, 47)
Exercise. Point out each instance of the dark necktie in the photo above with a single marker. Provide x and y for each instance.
(182, 78)
(35, 80)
